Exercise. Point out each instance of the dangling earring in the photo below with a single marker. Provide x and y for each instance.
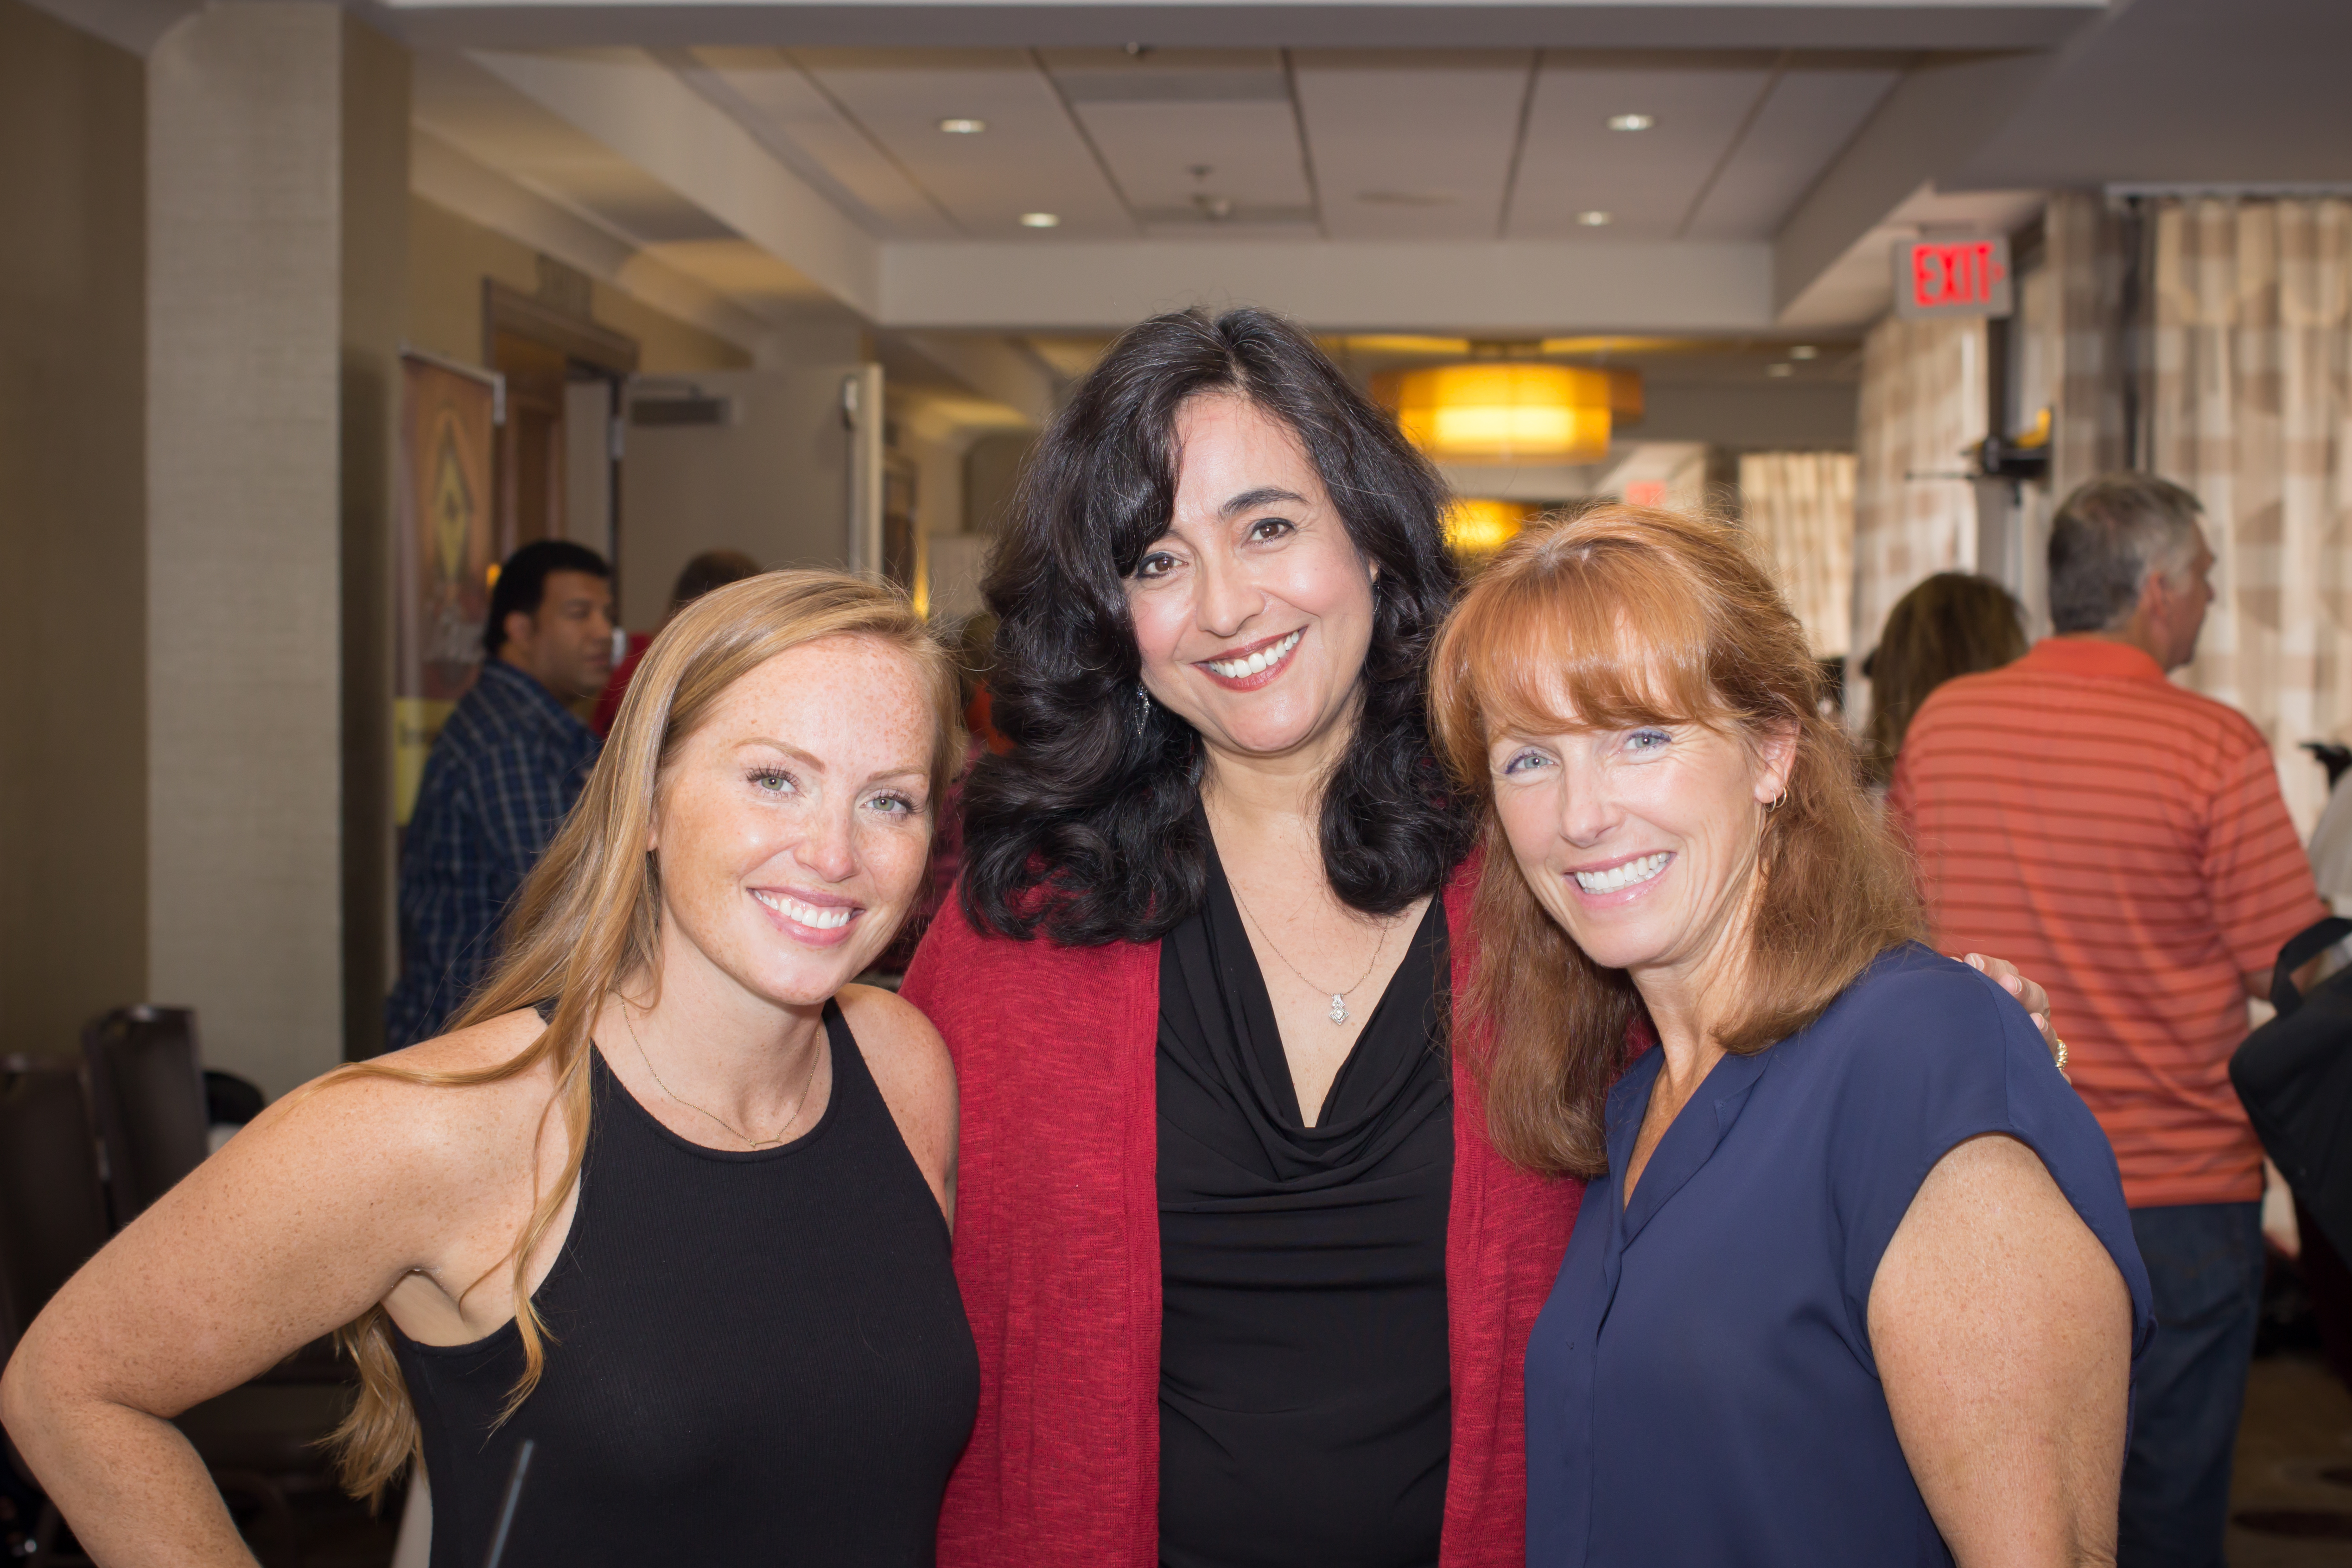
(1143, 714)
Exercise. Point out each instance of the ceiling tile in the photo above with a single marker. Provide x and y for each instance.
(1029, 159)
(779, 104)
(1806, 122)
(1412, 151)
(1250, 151)
(1646, 180)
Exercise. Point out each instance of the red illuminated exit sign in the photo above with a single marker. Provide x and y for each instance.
(1952, 278)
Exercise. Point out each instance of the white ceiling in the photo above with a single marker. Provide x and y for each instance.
(1503, 144)
(787, 159)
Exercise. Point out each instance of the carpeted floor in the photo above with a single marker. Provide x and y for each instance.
(2291, 1503)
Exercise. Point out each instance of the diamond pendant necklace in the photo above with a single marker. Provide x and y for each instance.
(1338, 1013)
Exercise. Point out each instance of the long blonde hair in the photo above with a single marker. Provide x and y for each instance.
(588, 920)
(1643, 617)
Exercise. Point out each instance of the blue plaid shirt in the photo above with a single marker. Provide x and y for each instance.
(504, 770)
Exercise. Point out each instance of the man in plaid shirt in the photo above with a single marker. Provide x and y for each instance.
(503, 772)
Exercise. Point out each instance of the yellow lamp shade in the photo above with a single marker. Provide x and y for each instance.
(1559, 413)
(1477, 526)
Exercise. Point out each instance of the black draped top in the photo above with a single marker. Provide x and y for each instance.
(1304, 1401)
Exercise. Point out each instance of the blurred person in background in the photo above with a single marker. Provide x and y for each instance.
(1954, 623)
(976, 655)
(711, 568)
(509, 762)
(2125, 841)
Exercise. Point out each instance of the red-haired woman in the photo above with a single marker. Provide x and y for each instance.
(1854, 1280)
(726, 1322)
(1250, 1280)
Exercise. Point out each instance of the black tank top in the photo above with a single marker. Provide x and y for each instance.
(756, 1358)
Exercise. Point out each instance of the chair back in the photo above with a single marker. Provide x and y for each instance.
(52, 1201)
(148, 1088)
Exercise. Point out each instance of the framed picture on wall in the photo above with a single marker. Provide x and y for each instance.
(445, 551)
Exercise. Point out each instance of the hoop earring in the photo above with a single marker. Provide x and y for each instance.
(1143, 714)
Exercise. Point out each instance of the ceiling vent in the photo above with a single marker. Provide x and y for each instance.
(669, 412)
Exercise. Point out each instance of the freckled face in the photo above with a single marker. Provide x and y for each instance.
(1255, 611)
(794, 829)
(1641, 842)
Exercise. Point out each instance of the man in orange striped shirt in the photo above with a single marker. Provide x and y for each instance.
(2123, 840)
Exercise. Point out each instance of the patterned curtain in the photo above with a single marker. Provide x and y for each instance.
(1923, 400)
(2090, 254)
(2251, 407)
(1798, 508)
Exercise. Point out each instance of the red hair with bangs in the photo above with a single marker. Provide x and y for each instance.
(1630, 616)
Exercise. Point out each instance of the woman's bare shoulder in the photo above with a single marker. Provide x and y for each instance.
(413, 1107)
(894, 1037)
(910, 1065)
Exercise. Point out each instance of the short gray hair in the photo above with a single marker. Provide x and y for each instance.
(2107, 538)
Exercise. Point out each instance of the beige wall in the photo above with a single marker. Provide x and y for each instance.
(276, 155)
(73, 773)
(375, 298)
(448, 258)
(665, 345)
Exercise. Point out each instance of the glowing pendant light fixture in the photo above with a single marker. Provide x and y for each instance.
(1508, 411)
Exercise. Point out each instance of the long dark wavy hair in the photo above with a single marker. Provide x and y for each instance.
(1087, 830)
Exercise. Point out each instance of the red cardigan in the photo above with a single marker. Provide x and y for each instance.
(1057, 1249)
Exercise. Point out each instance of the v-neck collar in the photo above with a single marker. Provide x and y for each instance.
(1690, 1140)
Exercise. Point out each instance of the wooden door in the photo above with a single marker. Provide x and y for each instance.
(530, 444)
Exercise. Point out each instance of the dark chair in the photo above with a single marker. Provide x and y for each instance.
(259, 1440)
(148, 1088)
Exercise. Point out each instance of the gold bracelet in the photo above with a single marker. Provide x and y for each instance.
(2061, 1056)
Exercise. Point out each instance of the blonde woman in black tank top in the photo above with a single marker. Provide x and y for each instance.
(671, 1201)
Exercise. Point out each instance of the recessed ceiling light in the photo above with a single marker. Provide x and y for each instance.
(1596, 219)
(1779, 370)
(958, 125)
(1804, 352)
(1041, 220)
(1631, 123)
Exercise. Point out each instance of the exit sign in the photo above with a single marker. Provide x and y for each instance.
(1952, 278)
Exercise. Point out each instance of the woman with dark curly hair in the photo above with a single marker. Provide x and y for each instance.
(1248, 1280)
(1251, 1283)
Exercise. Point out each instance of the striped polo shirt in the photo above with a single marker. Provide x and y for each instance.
(2123, 842)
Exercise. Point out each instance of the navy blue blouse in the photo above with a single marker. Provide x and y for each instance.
(1700, 1385)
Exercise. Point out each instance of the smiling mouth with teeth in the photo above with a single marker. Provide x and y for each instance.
(831, 918)
(1258, 663)
(1617, 878)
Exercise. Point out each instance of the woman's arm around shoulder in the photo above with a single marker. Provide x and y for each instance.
(910, 1065)
(329, 1202)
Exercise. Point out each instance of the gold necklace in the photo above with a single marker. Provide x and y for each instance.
(1338, 1013)
(807, 1083)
